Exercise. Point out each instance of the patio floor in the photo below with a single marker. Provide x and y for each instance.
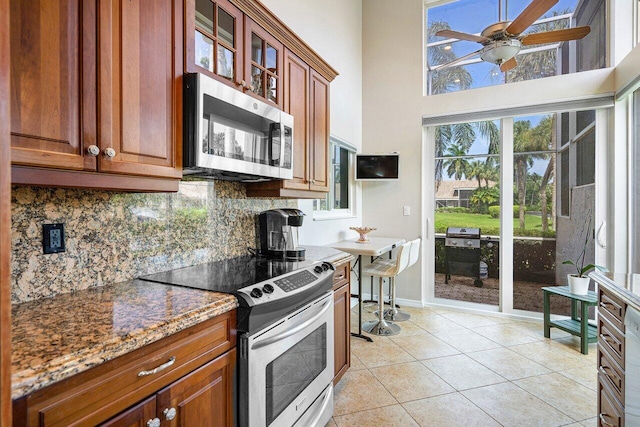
(526, 295)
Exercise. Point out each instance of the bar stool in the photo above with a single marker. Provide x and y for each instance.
(389, 270)
(393, 313)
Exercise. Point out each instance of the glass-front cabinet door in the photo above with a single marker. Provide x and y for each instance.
(263, 67)
(216, 48)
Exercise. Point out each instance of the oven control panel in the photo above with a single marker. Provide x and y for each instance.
(288, 284)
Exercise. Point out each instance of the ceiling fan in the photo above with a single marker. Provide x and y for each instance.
(502, 41)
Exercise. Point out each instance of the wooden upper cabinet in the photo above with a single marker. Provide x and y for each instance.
(296, 103)
(319, 114)
(52, 52)
(263, 63)
(214, 40)
(139, 86)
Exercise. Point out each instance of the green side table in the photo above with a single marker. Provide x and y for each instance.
(577, 326)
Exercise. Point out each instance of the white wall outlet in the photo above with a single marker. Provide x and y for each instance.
(406, 210)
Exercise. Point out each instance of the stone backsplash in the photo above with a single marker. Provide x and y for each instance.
(113, 237)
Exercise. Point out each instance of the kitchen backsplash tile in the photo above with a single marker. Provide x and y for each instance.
(113, 237)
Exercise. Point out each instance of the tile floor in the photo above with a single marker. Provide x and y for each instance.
(452, 368)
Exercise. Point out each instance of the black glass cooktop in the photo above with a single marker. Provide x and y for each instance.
(227, 275)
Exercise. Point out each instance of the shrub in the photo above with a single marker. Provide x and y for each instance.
(494, 211)
(516, 211)
(453, 209)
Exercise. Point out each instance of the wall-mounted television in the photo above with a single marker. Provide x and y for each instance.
(377, 167)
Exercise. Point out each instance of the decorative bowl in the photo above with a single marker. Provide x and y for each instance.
(363, 233)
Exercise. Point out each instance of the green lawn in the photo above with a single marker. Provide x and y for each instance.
(486, 224)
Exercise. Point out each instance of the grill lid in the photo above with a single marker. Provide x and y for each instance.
(466, 233)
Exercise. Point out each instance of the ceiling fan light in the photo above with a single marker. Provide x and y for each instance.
(500, 51)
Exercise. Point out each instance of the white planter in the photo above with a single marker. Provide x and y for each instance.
(578, 285)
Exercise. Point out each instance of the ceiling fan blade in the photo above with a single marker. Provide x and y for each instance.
(507, 65)
(455, 61)
(462, 36)
(529, 15)
(556, 36)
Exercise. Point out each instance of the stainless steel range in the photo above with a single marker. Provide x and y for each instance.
(285, 335)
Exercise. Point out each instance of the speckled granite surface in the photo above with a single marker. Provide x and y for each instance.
(626, 286)
(115, 237)
(54, 338)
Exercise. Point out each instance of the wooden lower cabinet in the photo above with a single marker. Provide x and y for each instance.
(201, 398)
(185, 379)
(611, 359)
(342, 321)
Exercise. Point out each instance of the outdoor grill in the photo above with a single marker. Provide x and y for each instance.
(462, 251)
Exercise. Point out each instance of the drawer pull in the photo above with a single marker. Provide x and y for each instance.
(154, 422)
(340, 277)
(607, 371)
(603, 420)
(164, 366)
(610, 340)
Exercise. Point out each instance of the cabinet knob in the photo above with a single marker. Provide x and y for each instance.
(154, 422)
(110, 152)
(93, 150)
(169, 413)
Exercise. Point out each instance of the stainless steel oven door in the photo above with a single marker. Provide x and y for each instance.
(290, 368)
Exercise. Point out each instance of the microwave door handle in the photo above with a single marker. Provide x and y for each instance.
(282, 145)
(292, 331)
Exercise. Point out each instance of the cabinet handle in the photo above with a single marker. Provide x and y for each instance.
(154, 422)
(110, 152)
(171, 361)
(169, 413)
(93, 150)
(603, 420)
(340, 277)
(610, 373)
(609, 340)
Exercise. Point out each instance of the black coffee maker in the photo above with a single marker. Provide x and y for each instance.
(278, 231)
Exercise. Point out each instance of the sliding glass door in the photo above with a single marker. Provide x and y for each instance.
(528, 185)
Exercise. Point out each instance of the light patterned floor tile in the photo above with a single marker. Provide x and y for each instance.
(331, 423)
(553, 355)
(410, 381)
(436, 323)
(392, 416)
(586, 375)
(536, 330)
(359, 391)
(462, 372)
(508, 363)
(424, 346)
(356, 364)
(448, 410)
(504, 334)
(466, 340)
(511, 406)
(573, 399)
(470, 320)
(382, 351)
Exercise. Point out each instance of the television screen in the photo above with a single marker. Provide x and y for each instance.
(377, 167)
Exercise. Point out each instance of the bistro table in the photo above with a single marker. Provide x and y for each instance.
(374, 247)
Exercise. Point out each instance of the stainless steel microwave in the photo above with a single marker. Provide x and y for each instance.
(231, 135)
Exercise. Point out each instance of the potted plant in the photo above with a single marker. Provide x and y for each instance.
(579, 283)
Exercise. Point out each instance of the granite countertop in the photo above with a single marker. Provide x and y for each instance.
(625, 286)
(326, 253)
(55, 338)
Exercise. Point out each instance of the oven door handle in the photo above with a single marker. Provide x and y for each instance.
(268, 341)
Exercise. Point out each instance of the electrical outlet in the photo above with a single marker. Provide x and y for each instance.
(53, 238)
(406, 210)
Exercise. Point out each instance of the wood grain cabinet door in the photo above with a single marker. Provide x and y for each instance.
(52, 48)
(263, 63)
(201, 398)
(296, 103)
(319, 163)
(140, 57)
(136, 416)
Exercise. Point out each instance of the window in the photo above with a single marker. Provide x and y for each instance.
(537, 61)
(340, 199)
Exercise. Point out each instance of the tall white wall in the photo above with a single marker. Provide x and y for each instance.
(333, 28)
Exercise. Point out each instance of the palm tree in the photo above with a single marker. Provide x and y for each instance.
(457, 166)
(447, 79)
(476, 171)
